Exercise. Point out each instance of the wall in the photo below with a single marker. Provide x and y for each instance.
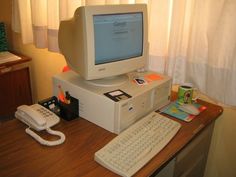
(222, 155)
(45, 64)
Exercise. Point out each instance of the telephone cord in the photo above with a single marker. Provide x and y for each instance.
(46, 142)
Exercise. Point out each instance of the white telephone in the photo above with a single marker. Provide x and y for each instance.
(39, 118)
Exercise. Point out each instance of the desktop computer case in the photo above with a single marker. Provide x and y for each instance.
(113, 116)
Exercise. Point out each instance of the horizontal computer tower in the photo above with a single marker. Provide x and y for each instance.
(115, 108)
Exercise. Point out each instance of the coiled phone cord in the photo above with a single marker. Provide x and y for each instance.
(46, 142)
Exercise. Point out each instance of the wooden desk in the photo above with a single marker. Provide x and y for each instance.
(20, 155)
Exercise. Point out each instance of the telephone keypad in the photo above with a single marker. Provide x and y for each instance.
(44, 112)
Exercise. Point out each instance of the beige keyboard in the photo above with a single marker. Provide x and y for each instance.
(137, 145)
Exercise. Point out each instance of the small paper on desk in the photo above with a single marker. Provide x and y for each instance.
(7, 57)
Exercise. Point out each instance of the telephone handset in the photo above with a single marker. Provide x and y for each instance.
(39, 118)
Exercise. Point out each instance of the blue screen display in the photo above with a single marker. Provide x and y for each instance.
(118, 37)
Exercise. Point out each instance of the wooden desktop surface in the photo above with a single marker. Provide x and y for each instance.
(20, 155)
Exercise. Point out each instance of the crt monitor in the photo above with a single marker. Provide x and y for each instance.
(105, 41)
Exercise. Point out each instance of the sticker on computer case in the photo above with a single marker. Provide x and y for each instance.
(117, 95)
(140, 81)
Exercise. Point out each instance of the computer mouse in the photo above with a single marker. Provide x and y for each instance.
(189, 108)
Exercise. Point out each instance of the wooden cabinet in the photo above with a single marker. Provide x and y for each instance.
(191, 160)
(15, 86)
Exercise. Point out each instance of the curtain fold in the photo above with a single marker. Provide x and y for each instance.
(202, 47)
(160, 12)
(38, 20)
(190, 40)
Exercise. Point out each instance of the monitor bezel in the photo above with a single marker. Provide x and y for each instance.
(100, 71)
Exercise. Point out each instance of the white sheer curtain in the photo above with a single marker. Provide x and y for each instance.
(202, 47)
(38, 20)
(190, 40)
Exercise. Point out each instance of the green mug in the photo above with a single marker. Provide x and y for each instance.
(185, 94)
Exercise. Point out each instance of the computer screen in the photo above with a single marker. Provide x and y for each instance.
(106, 40)
(118, 37)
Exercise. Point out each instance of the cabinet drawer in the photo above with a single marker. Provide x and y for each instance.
(192, 159)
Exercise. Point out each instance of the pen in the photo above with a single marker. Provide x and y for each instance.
(67, 97)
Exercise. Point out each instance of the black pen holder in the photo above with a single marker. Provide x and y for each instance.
(69, 111)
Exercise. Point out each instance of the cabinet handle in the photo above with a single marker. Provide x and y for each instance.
(5, 70)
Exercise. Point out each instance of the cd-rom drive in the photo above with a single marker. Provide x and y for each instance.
(115, 116)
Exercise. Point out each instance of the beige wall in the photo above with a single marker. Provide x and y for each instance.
(222, 156)
(44, 65)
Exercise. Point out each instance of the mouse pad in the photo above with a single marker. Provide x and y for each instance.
(172, 110)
